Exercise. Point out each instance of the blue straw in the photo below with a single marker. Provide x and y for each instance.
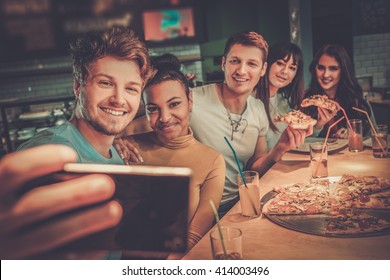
(238, 164)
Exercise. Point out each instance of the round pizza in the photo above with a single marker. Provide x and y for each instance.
(296, 119)
(320, 101)
(351, 205)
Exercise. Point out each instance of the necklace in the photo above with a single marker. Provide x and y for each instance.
(234, 124)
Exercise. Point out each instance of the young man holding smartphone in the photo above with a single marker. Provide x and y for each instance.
(110, 69)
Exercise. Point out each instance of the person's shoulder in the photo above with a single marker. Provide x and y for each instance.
(205, 89)
(48, 136)
(207, 149)
(142, 137)
(255, 103)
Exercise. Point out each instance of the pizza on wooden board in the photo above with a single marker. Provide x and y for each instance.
(320, 101)
(296, 119)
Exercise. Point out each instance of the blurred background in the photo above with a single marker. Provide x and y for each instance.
(35, 71)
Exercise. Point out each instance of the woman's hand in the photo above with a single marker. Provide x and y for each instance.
(292, 138)
(22, 231)
(324, 116)
(127, 151)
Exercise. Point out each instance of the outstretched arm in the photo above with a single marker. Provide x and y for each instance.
(46, 201)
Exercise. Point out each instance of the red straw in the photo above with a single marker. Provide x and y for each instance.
(324, 145)
(346, 117)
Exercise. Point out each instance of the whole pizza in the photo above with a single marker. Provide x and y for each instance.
(348, 203)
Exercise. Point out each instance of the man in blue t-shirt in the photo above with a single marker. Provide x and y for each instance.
(110, 69)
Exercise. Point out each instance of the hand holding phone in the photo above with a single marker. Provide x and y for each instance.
(27, 223)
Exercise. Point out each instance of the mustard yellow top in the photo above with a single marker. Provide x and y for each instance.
(208, 180)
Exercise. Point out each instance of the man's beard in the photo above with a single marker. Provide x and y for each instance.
(83, 111)
(99, 128)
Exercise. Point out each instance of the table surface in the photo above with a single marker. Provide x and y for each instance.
(263, 239)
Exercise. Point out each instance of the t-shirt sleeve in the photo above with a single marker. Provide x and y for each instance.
(262, 118)
(43, 140)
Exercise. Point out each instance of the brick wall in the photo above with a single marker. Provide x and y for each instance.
(372, 57)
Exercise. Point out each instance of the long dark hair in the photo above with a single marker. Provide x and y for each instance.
(348, 94)
(294, 91)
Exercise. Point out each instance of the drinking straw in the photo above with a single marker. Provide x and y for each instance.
(238, 163)
(323, 146)
(346, 117)
(372, 127)
(219, 228)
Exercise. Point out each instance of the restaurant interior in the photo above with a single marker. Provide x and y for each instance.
(36, 88)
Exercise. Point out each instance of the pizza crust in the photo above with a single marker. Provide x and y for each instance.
(320, 101)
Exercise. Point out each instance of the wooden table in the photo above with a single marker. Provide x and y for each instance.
(263, 239)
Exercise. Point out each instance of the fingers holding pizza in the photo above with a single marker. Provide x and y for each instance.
(327, 108)
(299, 127)
(324, 116)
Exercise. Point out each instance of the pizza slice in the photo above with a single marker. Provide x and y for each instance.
(380, 200)
(296, 119)
(351, 221)
(320, 101)
(313, 185)
(350, 187)
(305, 202)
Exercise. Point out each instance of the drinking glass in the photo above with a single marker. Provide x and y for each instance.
(355, 136)
(249, 193)
(379, 141)
(318, 160)
(232, 241)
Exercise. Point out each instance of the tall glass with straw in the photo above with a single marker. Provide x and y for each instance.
(248, 188)
(226, 242)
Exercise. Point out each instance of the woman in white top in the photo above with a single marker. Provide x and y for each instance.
(282, 88)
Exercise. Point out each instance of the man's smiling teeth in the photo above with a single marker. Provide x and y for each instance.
(112, 112)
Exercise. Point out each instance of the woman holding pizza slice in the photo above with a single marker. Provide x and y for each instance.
(333, 76)
(282, 87)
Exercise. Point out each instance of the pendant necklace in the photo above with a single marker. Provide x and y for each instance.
(235, 124)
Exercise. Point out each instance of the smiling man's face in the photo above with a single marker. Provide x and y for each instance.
(111, 95)
(243, 66)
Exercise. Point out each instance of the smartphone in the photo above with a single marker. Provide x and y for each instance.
(155, 203)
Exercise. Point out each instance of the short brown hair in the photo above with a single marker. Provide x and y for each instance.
(118, 41)
(247, 38)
